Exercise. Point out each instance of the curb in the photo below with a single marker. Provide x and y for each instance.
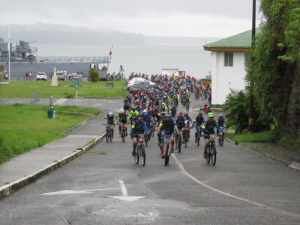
(10, 188)
(293, 165)
(79, 125)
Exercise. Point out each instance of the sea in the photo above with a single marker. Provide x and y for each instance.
(147, 59)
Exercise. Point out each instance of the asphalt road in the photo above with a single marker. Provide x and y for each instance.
(105, 186)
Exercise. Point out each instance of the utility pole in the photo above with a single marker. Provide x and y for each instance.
(251, 110)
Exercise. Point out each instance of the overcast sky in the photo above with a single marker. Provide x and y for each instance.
(195, 18)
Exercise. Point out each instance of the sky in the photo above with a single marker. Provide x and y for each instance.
(188, 18)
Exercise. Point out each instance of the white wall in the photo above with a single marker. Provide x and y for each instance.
(224, 78)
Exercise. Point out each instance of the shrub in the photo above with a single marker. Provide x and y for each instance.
(93, 75)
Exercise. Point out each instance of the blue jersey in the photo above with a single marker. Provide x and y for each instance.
(110, 119)
(138, 127)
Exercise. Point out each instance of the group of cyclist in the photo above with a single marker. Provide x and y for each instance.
(144, 110)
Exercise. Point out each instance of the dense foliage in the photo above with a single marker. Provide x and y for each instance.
(237, 112)
(275, 67)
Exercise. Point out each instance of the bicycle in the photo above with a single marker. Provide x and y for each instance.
(198, 134)
(152, 129)
(204, 96)
(140, 151)
(123, 132)
(197, 95)
(221, 138)
(179, 141)
(167, 149)
(211, 155)
(185, 136)
(187, 106)
(109, 133)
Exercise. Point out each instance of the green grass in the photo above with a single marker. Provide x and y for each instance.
(24, 89)
(25, 127)
(266, 136)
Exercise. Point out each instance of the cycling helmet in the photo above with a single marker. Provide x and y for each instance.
(110, 114)
(180, 114)
(221, 115)
(168, 115)
(140, 115)
(200, 114)
(211, 114)
(162, 113)
(145, 114)
(133, 108)
(186, 114)
(145, 110)
(121, 110)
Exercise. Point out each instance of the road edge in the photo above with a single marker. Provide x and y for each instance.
(294, 165)
(16, 185)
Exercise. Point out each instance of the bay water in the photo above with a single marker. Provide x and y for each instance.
(148, 59)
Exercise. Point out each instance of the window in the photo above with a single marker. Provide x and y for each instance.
(228, 59)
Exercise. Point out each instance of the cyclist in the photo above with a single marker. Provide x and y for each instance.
(110, 121)
(173, 111)
(138, 127)
(208, 129)
(168, 125)
(221, 121)
(198, 121)
(180, 124)
(133, 113)
(161, 117)
(188, 124)
(149, 122)
(126, 105)
(122, 118)
(163, 107)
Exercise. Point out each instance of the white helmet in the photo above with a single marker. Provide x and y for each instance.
(121, 110)
(110, 114)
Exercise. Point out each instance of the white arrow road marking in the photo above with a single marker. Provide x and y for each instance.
(68, 192)
(125, 196)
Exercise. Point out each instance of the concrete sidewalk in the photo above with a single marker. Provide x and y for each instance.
(27, 167)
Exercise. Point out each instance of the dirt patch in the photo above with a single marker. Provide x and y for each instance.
(277, 152)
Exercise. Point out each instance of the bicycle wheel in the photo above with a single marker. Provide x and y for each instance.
(213, 155)
(208, 155)
(167, 155)
(198, 137)
(179, 144)
(137, 157)
(219, 140)
(143, 152)
(107, 136)
(185, 141)
(222, 140)
(123, 136)
(152, 131)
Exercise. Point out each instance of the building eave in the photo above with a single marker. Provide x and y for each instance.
(227, 49)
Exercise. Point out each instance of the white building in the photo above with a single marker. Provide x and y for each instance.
(228, 65)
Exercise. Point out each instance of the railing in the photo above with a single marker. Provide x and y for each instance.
(74, 59)
(35, 97)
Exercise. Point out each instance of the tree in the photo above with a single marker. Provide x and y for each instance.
(93, 75)
(275, 67)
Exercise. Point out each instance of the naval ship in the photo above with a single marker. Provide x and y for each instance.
(23, 58)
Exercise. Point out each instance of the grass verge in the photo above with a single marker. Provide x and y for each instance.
(265, 136)
(24, 89)
(25, 127)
